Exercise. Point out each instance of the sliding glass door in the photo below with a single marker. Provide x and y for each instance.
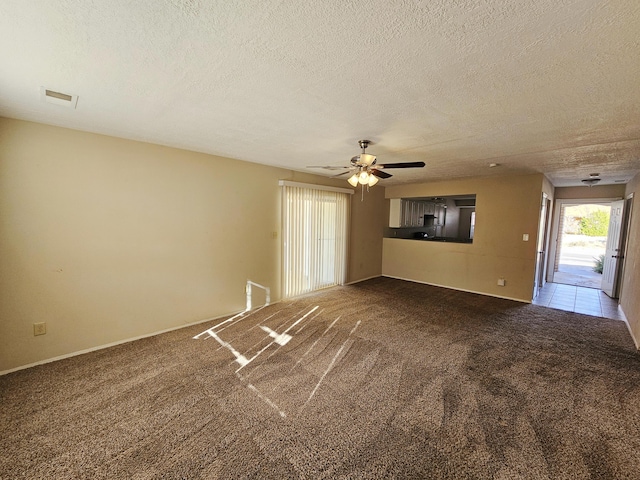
(314, 238)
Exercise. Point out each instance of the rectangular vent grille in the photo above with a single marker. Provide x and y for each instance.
(58, 98)
(58, 95)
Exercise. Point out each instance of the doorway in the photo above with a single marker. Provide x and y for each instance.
(585, 233)
(582, 245)
(542, 243)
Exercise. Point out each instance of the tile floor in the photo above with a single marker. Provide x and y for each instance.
(589, 301)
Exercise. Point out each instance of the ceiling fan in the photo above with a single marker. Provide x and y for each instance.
(366, 170)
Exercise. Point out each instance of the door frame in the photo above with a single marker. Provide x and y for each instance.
(558, 207)
(626, 224)
(542, 244)
(613, 259)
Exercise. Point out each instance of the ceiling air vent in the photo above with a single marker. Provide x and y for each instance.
(58, 98)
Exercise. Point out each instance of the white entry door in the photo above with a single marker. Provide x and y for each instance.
(613, 253)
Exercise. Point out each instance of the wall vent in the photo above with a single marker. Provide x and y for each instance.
(58, 98)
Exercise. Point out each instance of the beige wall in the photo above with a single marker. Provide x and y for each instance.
(629, 297)
(548, 188)
(506, 208)
(106, 239)
(365, 245)
(597, 191)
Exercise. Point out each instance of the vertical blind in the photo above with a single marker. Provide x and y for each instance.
(314, 239)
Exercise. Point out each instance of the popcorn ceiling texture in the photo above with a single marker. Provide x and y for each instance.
(541, 86)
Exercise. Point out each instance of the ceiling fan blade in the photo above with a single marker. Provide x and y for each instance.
(402, 165)
(380, 174)
(340, 174)
(328, 167)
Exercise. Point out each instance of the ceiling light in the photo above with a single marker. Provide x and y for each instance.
(590, 181)
(366, 170)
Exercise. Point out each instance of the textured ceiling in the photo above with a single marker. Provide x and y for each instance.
(545, 86)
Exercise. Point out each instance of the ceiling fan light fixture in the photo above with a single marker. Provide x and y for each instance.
(365, 170)
(363, 177)
(590, 181)
(367, 159)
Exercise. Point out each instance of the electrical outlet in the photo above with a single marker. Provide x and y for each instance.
(501, 282)
(525, 237)
(39, 328)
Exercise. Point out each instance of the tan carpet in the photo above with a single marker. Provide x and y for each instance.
(384, 379)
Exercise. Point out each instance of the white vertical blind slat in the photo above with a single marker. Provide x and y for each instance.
(314, 239)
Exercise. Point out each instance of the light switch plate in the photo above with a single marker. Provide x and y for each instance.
(525, 237)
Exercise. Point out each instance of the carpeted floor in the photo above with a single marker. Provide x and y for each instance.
(384, 379)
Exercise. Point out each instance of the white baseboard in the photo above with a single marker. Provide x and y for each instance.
(120, 342)
(626, 322)
(459, 289)
(112, 344)
(624, 317)
(363, 280)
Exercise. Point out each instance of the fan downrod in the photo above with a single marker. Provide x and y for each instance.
(364, 144)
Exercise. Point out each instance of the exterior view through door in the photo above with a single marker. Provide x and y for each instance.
(588, 242)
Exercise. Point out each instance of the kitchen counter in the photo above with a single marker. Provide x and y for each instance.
(424, 237)
(445, 239)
